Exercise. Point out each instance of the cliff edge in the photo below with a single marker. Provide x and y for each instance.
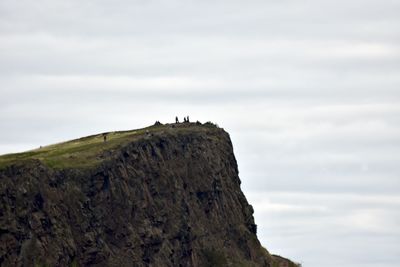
(166, 195)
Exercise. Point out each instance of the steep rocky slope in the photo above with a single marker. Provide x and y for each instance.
(168, 195)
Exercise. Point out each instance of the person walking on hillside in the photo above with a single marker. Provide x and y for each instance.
(176, 119)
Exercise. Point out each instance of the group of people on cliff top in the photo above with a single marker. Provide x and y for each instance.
(185, 119)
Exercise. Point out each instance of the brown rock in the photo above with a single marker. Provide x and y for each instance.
(171, 198)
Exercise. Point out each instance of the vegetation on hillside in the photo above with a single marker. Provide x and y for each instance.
(89, 151)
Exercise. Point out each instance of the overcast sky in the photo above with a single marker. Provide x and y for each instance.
(308, 90)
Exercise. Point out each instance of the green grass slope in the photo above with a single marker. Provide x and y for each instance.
(88, 151)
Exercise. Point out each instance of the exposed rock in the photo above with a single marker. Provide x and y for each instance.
(170, 198)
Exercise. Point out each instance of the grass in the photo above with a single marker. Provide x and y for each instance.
(214, 258)
(86, 152)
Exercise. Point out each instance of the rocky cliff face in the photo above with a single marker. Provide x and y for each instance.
(170, 197)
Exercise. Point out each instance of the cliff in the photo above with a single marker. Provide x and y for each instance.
(166, 195)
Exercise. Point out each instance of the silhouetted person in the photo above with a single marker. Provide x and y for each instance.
(105, 137)
(184, 119)
(176, 119)
(187, 119)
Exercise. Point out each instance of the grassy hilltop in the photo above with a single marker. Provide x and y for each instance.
(90, 150)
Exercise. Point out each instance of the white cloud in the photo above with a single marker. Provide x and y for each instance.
(308, 90)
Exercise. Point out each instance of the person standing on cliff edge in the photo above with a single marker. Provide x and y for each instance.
(176, 119)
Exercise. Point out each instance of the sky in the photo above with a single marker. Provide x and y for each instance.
(308, 90)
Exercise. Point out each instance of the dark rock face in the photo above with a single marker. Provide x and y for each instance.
(168, 199)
